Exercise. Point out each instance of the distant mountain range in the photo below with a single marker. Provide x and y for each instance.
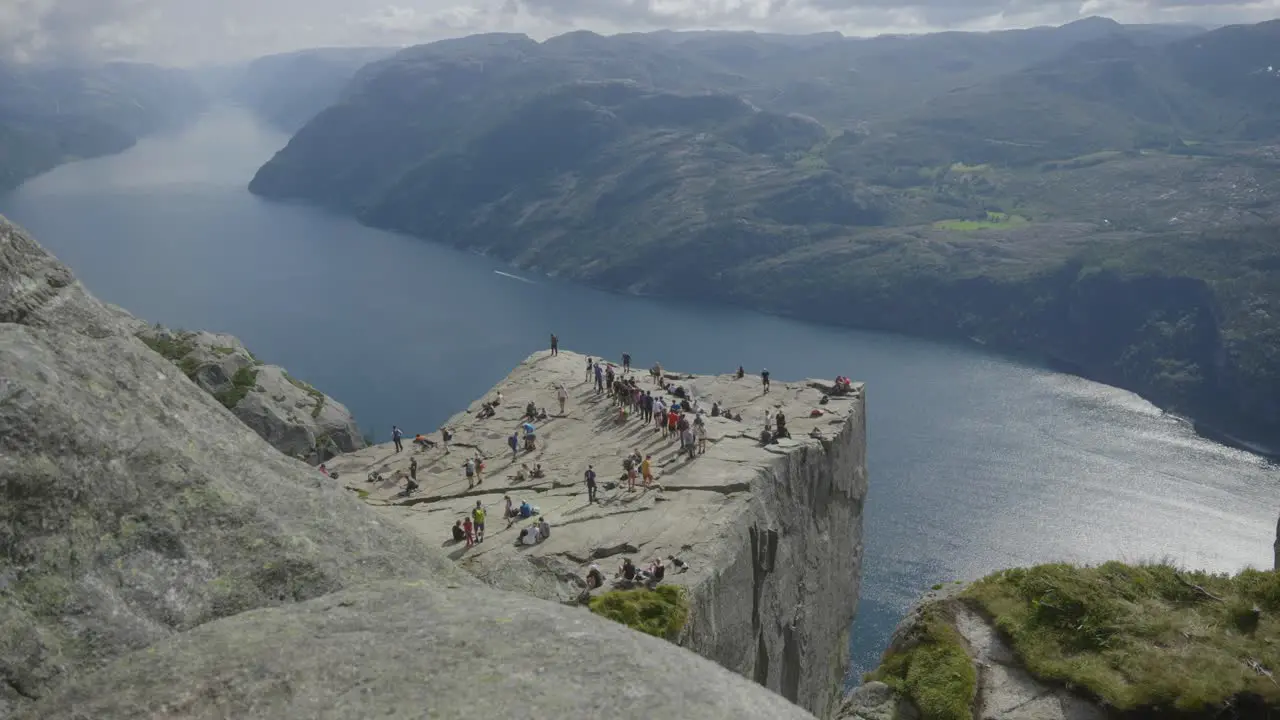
(1103, 195)
(52, 114)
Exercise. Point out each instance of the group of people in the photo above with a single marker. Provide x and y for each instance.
(471, 528)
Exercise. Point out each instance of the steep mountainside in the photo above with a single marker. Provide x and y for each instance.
(54, 114)
(707, 166)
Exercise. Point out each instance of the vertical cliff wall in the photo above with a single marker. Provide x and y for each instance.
(779, 607)
(771, 534)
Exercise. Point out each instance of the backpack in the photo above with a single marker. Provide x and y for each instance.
(627, 464)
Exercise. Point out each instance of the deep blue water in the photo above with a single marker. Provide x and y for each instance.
(976, 462)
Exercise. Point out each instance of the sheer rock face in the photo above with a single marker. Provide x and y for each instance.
(296, 418)
(132, 504)
(410, 650)
(771, 534)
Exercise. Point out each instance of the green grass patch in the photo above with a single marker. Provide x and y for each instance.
(660, 612)
(993, 221)
(962, 168)
(932, 669)
(223, 349)
(172, 347)
(1142, 637)
(241, 383)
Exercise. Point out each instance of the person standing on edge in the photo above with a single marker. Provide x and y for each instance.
(764, 379)
(395, 437)
(589, 369)
(469, 467)
(590, 475)
(478, 516)
(626, 362)
(599, 378)
(555, 344)
(562, 394)
(445, 437)
(646, 470)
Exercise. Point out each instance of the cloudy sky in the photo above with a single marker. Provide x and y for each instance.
(202, 31)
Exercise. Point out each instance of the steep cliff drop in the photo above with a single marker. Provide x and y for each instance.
(770, 535)
(159, 558)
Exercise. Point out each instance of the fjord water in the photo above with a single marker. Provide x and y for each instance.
(976, 462)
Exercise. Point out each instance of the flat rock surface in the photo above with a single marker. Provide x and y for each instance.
(414, 650)
(683, 514)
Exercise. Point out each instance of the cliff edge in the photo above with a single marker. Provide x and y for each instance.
(771, 535)
(1059, 642)
(158, 558)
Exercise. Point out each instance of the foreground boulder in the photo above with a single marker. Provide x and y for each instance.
(297, 419)
(410, 650)
(133, 505)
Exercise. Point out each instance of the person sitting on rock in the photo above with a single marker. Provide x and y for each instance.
(458, 533)
(526, 510)
(537, 471)
(657, 571)
(531, 411)
(595, 578)
(741, 372)
(544, 529)
(497, 399)
(542, 414)
(715, 409)
(523, 473)
(627, 571)
(529, 536)
(781, 421)
(486, 411)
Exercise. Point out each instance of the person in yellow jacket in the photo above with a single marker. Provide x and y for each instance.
(646, 470)
(477, 516)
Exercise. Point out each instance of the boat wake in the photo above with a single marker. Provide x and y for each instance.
(514, 277)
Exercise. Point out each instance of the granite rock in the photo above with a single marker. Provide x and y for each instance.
(771, 534)
(412, 650)
(296, 418)
(133, 505)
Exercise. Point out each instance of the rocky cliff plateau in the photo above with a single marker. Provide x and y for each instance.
(160, 559)
(772, 535)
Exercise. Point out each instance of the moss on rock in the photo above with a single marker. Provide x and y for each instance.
(1140, 638)
(932, 668)
(660, 612)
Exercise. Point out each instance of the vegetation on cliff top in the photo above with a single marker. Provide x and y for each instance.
(1136, 638)
(660, 612)
(933, 669)
(1142, 637)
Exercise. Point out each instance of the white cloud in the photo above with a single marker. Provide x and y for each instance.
(196, 31)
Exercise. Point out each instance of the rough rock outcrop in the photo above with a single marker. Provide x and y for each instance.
(771, 534)
(1005, 691)
(411, 650)
(297, 419)
(133, 505)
